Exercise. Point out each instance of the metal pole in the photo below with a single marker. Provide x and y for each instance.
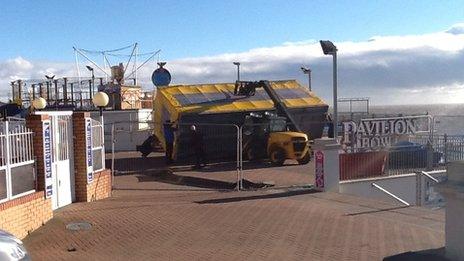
(238, 72)
(57, 95)
(72, 93)
(309, 80)
(7, 158)
(65, 91)
(102, 137)
(241, 156)
(238, 157)
(335, 116)
(112, 156)
(135, 62)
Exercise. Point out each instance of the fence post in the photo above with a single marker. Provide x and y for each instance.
(7, 159)
(445, 150)
(418, 189)
(429, 158)
(112, 156)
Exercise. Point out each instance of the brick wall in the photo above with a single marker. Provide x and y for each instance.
(100, 187)
(23, 215)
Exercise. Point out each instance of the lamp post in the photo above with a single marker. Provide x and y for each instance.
(100, 99)
(93, 80)
(39, 103)
(330, 49)
(238, 70)
(308, 72)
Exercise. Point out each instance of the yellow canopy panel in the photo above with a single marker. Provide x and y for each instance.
(220, 98)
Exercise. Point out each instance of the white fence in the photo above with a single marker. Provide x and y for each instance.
(17, 162)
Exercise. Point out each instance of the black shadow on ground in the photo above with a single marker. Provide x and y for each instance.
(436, 254)
(375, 211)
(258, 197)
(168, 177)
(137, 164)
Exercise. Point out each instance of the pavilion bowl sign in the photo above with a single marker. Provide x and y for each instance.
(380, 133)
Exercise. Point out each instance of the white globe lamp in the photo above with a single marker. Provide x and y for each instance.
(39, 103)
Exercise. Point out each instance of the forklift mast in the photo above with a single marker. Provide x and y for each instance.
(248, 88)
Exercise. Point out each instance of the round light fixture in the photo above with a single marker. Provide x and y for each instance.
(100, 99)
(39, 103)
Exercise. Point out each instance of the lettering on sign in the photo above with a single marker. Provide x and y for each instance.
(88, 146)
(47, 158)
(319, 168)
(379, 133)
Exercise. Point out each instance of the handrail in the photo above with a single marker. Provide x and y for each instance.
(390, 194)
(429, 176)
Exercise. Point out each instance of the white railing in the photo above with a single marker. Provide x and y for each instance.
(17, 162)
(98, 142)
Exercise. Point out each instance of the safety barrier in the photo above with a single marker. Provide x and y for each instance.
(17, 161)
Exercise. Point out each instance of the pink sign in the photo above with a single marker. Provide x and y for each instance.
(319, 168)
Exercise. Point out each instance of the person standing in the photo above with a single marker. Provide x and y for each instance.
(168, 130)
(196, 141)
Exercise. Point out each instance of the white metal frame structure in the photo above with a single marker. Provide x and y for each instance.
(16, 150)
(132, 60)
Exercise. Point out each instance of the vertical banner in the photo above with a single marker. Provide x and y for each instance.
(88, 149)
(46, 126)
(319, 169)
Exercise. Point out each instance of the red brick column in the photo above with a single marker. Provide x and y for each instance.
(80, 165)
(34, 122)
(100, 187)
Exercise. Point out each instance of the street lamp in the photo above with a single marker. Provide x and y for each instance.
(93, 80)
(330, 49)
(308, 72)
(100, 99)
(238, 70)
(39, 103)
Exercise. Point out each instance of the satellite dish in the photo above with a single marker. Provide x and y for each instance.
(161, 76)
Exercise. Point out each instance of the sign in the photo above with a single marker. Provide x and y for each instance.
(379, 133)
(319, 168)
(88, 149)
(161, 76)
(47, 147)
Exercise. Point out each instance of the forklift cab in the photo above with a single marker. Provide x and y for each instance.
(267, 135)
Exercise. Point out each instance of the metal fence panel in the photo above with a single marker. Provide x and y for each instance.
(17, 163)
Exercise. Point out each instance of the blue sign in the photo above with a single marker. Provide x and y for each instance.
(161, 77)
(47, 159)
(88, 148)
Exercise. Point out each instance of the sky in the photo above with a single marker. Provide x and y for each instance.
(394, 52)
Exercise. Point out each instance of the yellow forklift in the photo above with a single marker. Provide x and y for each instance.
(272, 135)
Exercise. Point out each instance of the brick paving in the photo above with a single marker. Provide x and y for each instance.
(150, 218)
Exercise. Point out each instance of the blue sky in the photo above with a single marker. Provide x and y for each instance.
(46, 30)
(395, 52)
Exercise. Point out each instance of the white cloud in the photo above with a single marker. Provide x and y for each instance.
(389, 69)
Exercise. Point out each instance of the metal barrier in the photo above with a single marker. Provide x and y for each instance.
(390, 194)
(17, 161)
(219, 149)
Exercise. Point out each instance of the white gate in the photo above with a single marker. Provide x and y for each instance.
(62, 159)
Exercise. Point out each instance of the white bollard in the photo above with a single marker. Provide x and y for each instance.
(326, 162)
(453, 191)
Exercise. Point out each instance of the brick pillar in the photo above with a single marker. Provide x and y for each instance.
(100, 185)
(80, 164)
(34, 122)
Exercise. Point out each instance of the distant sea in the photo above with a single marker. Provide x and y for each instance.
(449, 118)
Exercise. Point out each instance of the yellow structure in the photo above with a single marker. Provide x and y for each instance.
(203, 103)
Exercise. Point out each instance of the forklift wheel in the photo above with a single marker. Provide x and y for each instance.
(305, 159)
(277, 156)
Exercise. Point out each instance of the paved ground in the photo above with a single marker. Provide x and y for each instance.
(154, 217)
